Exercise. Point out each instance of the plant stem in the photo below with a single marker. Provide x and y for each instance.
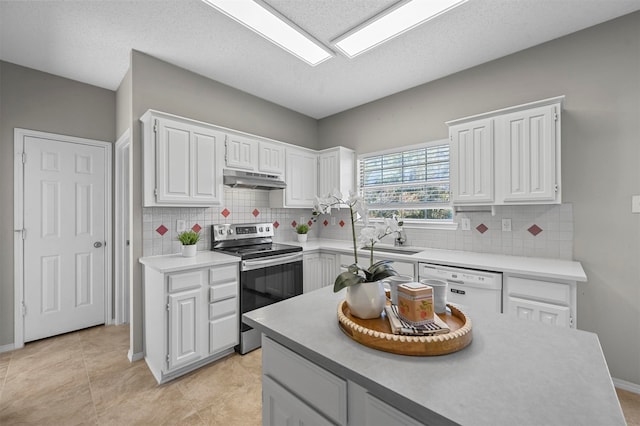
(371, 257)
(353, 234)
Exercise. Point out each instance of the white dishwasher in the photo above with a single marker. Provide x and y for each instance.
(479, 290)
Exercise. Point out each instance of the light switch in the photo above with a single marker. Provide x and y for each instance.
(635, 204)
(465, 222)
(181, 225)
(506, 225)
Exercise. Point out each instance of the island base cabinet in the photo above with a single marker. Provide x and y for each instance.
(367, 410)
(281, 407)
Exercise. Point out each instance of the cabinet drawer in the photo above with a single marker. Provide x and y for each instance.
(540, 290)
(221, 274)
(223, 334)
(328, 394)
(186, 280)
(223, 291)
(223, 308)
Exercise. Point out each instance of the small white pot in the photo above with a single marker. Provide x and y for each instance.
(189, 251)
(366, 300)
(302, 238)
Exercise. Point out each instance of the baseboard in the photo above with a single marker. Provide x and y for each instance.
(135, 357)
(628, 386)
(7, 348)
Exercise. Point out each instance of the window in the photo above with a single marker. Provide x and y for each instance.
(412, 184)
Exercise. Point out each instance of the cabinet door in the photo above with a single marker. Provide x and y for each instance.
(528, 143)
(280, 407)
(538, 311)
(206, 185)
(185, 341)
(173, 162)
(327, 269)
(336, 170)
(271, 158)
(301, 177)
(187, 171)
(310, 272)
(471, 162)
(242, 153)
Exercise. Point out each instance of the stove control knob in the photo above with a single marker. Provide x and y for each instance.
(268, 229)
(260, 229)
(230, 231)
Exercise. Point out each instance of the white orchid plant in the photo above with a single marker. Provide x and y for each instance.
(369, 236)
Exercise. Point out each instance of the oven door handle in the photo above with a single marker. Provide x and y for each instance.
(249, 265)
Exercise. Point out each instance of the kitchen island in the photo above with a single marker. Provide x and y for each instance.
(514, 372)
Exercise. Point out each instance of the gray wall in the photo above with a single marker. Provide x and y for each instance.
(34, 100)
(165, 87)
(598, 70)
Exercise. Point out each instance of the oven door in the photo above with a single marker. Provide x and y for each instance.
(264, 281)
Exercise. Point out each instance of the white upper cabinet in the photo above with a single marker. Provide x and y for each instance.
(241, 152)
(182, 162)
(271, 158)
(530, 157)
(471, 162)
(336, 170)
(510, 156)
(301, 176)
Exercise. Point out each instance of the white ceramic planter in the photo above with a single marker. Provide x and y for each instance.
(189, 251)
(366, 300)
(302, 238)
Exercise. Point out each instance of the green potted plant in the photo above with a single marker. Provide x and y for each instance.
(188, 239)
(302, 230)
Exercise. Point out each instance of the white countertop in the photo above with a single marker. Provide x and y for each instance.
(514, 372)
(529, 266)
(176, 262)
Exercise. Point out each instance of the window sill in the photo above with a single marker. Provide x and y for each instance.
(442, 226)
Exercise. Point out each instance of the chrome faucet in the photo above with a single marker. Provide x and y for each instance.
(401, 237)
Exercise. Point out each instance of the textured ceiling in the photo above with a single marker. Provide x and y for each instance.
(90, 41)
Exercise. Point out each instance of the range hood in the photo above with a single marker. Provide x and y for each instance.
(241, 179)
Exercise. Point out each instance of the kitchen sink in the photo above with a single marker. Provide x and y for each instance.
(397, 250)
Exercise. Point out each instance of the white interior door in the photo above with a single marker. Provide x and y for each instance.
(65, 216)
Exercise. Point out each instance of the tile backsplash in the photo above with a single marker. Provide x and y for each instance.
(538, 231)
(240, 206)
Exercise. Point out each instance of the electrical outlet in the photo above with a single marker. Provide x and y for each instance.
(181, 225)
(635, 204)
(465, 222)
(506, 225)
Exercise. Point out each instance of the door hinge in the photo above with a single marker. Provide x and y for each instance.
(24, 157)
(168, 357)
(24, 309)
(23, 232)
(168, 307)
(555, 116)
(555, 187)
(155, 191)
(155, 126)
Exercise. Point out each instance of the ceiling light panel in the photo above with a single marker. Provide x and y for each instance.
(392, 23)
(268, 23)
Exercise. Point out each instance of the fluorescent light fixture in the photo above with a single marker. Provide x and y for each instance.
(391, 23)
(262, 19)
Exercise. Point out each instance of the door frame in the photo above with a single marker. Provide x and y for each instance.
(122, 233)
(18, 222)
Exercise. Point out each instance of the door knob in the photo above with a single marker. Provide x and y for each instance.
(97, 244)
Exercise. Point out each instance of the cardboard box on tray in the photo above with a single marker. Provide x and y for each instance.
(415, 303)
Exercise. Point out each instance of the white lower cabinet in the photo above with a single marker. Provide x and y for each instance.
(191, 318)
(319, 270)
(296, 391)
(549, 302)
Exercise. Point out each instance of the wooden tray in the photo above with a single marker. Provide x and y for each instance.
(376, 333)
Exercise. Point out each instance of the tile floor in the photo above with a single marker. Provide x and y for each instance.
(85, 378)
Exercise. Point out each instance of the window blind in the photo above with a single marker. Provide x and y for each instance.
(417, 178)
